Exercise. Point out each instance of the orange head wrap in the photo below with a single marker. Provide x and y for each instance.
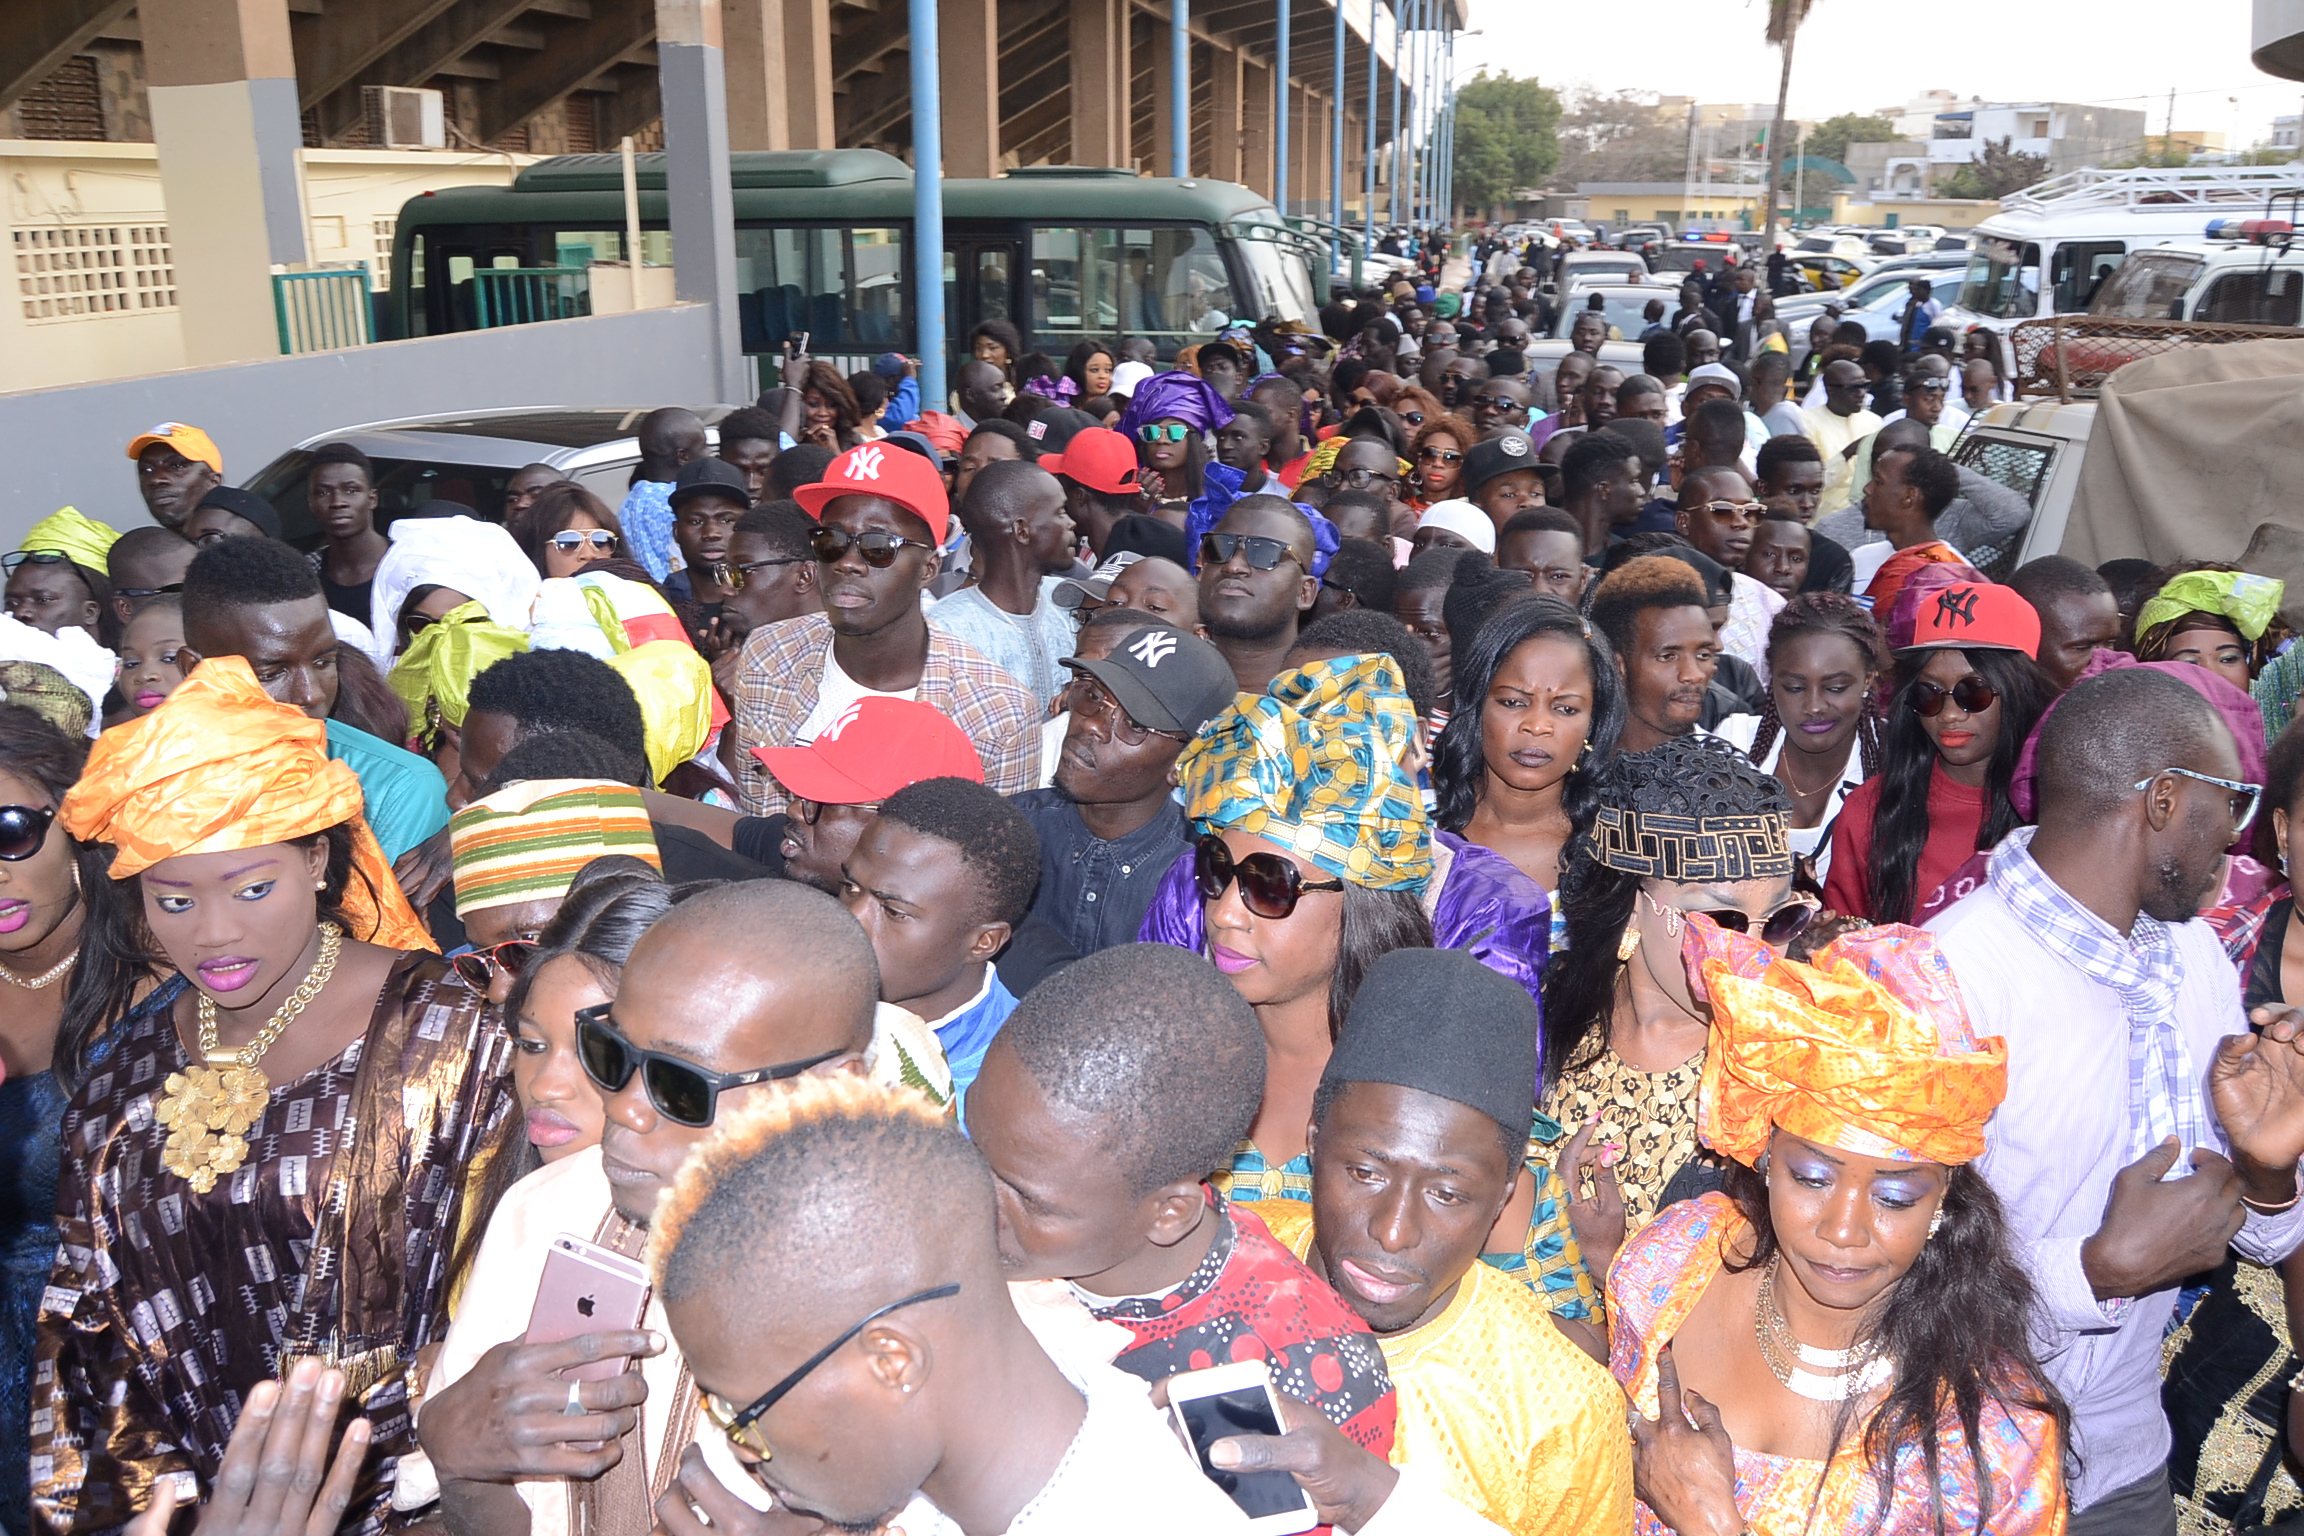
(1867, 1049)
(221, 765)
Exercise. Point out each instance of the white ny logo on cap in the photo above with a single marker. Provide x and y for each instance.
(1152, 647)
(864, 463)
(841, 722)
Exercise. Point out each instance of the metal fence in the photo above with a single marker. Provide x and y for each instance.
(320, 311)
(525, 295)
(2070, 356)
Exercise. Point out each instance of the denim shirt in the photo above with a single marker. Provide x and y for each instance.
(1093, 892)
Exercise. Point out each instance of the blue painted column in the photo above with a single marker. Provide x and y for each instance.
(928, 204)
(1180, 87)
(1280, 109)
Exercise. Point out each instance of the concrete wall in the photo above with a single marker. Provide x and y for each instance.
(68, 446)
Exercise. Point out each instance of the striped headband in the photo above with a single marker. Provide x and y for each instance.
(527, 843)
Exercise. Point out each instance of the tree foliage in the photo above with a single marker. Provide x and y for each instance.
(1831, 137)
(1507, 137)
(1998, 172)
(1620, 136)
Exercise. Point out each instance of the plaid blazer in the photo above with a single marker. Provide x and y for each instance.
(783, 666)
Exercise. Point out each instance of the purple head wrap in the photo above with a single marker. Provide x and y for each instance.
(1175, 396)
(2239, 712)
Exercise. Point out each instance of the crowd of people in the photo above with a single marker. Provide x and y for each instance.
(1567, 916)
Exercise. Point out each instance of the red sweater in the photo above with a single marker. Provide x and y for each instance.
(1955, 816)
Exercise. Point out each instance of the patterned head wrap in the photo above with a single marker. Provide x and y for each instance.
(1313, 763)
(1175, 396)
(434, 675)
(1694, 812)
(221, 765)
(74, 533)
(527, 843)
(2250, 602)
(1867, 1048)
(1323, 459)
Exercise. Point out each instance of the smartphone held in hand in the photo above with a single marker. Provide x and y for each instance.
(588, 1289)
(1238, 1399)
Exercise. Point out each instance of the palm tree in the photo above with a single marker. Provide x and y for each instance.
(1784, 18)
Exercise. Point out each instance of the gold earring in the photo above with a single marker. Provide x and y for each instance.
(1629, 944)
(1936, 1222)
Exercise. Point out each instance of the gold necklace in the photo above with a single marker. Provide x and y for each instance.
(1840, 1373)
(1783, 762)
(209, 1110)
(45, 979)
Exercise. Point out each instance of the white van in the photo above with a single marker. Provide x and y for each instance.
(2246, 275)
(2051, 246)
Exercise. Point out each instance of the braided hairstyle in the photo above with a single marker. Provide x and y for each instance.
(1827, 613)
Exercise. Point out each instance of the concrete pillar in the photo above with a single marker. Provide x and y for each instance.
(1256, 126)
(969, 48)
(692, 71)
(231, 149)
(1101, 81)
(808, 74)
(1227, 154)
(754, 32)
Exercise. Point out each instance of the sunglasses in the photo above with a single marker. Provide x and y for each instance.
(1737, 511)
(1496, 402)
(477, 968)
(2245, 797)
(140, 593)
(574, 539)
(23, 829)
(809, 810)
(1270, 886)
(1971, 693)
(738, 574)
(1359, 479)
(1777, 929)
(1413, 418)
(1262, 554)
(681, 1091)
(11, 563)
(738, 1423)
(1439, 455)
(877, 547)
(1164, 432)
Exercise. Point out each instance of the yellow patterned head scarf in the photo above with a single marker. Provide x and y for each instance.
(1324, 459)
(2250, 602)
(434, 675)
(71, 532)
(674, 687)
(1868, 1048)
(1313, 763)
(221, 765)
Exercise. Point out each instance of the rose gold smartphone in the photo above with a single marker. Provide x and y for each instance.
(588, 1289)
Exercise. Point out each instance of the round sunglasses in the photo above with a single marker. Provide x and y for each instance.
(1270, 886)
(1971, 693)
(23, 830)
(478, 968)
(681, 1091)
(1776, 930)
(876, 546)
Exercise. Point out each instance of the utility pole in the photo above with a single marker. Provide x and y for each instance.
(1399, 67)
(1688, 166)
(2168, 143)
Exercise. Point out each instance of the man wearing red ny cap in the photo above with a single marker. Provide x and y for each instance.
(881, 514)
(835, 783)
(1098, 471)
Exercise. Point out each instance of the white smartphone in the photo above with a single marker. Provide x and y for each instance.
(1238, 1399)
(587, 1289)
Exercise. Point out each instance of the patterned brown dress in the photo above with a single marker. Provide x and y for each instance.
(338, 1236)
(1651, 1115)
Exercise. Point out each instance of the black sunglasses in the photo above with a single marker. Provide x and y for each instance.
(737, 1424)
(681, 1091)
(143, 592)
(1778, 928)
(476, 968)
(1261, 553)
(811, 811)
(739, 574)
(15, 561)
(1270, 886)
(877, 547)
(1971, 693)
(23, 830)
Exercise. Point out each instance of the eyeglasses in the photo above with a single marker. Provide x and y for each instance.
(738, 574)
(681, 1091)
(1091, 700)
(876, 546)
(478, 967)
(2245, 797)
(1776, 930)
(1359, 478)
(1737, 511)
(143, 592)
(1413, 418)
(809, 810)
(1164, 432)
(571, 540)
(1439, 456)
(11, 563)
(1261, 553)
(737, 1424)
(1971, 693)
(1496, 402)
(1270, 886)
(23, 829)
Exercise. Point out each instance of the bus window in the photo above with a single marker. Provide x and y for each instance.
(1166, 284)
(2149, 286)
(1283, 287)
(2265, 297)
(2080, 266)
(2003, 280)
(844, 287)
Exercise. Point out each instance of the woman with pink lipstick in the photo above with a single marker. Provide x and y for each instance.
(271, 1156)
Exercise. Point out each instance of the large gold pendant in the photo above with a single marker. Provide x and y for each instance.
(209, 1113)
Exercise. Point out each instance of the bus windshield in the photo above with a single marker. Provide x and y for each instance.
(2003, 280)
(1168, 284)
(1283, 286)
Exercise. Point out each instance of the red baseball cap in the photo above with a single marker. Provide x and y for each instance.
(1975, 615)
(1099, 458)
(892, 474)
(875, 748)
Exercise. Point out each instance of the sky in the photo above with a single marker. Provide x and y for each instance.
(1860, 55)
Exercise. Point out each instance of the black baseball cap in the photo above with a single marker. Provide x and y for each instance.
(247, 504)
(1166, 679)
(1498, 455)
(711, 475)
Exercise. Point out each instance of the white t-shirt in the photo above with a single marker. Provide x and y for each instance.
(834, 694)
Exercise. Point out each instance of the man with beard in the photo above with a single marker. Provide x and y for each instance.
(1110, 827)
(881, 518)
(2128, 1059)
(1256, 584)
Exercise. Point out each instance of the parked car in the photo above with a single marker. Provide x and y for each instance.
(466, 457)
(1874, 301)
(1586, 269)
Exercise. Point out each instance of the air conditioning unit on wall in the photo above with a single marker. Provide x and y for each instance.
(405, 117)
